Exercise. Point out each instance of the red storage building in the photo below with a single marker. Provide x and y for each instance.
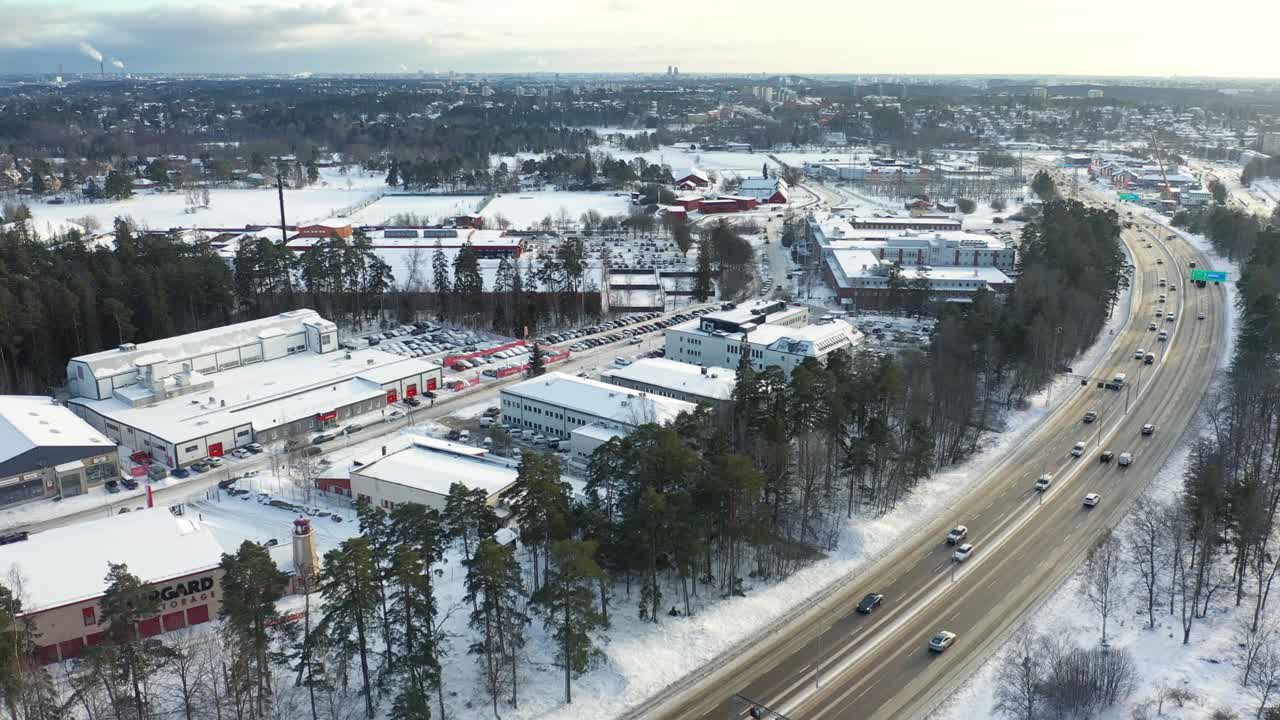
(63, 571)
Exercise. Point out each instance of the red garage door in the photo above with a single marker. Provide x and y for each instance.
(197, 615)
(391, 396)
(215, 449)
(411, 391)
(175, 621)
(149, 628)
(431, 383)
(71, 648)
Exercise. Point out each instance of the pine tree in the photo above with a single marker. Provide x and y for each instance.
(467, 517)
(440, 279)
(251, 587)
(124, 605)
(496, 592)
(393, 176)
(703, 289)
(539, 502)
(537, 363)
(567, 603)
(349, 586)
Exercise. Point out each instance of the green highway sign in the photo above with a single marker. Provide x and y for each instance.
(1198, 275)
(1129, 197)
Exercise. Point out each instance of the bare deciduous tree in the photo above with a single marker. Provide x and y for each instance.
(1019, 693)
(1101, 585)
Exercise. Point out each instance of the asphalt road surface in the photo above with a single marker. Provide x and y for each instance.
(831, 662)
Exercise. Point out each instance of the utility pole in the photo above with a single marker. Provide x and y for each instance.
(284, 237)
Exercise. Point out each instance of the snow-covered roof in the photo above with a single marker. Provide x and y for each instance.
(713, 382)
(106, 363)
(267, 394)
(28, 422)
(762, 183)
(68, 564)
(431, 467)
(599, 399)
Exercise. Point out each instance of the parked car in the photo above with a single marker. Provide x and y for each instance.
(322, 438)
(240, 453)
(412, 401)
(198, 467)
(113, 486)
(213, 462)
(180, 472)
(129, 483)
(254, 448)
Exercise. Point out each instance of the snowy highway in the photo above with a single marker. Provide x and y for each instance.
(831, 662)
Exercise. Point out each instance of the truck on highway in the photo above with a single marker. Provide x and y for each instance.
(1118, 380)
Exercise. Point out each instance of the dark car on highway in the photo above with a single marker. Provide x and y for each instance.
(870, 602)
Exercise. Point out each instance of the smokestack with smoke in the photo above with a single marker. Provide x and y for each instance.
(90, 51)
(118, 63)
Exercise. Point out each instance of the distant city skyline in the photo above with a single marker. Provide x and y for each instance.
(1001, 37)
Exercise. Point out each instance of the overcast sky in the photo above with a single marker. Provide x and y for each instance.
(1084, 37)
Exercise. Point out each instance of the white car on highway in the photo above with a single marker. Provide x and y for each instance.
(1043, 482)
(941, 641)
(1078, 448)
(962, 553)
(1091, 499)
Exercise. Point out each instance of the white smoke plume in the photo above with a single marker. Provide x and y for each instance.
(90, 51)
(118, 63)
(404, 68)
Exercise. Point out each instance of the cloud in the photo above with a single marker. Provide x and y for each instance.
(575, 35)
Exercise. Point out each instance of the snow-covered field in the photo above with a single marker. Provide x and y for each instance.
(434, 207)
(231, 207)
(1203, 666)
(526, 209)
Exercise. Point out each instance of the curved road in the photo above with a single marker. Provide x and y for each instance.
(831, 662)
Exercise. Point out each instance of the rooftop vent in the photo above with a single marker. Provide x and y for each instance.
(127, 347)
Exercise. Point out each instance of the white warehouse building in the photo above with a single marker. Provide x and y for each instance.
(206, 393)
(422, 470)
(556, 404)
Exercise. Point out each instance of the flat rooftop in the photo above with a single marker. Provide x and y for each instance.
(604, 400)
(106, 363)
(433, 468)
(712, 382)
(747, 311)
(267, 394)
(31, 421)
(67, 564)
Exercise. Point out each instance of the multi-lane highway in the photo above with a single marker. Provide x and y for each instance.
(831, 662)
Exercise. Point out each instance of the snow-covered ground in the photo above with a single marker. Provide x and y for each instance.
(228, 207)
(642, 659)
(434, 207)
(682, 160)
(527, 209)
(1203, 666)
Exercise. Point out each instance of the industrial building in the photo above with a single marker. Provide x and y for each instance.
(711, 386)
(203, 394)
(773, 332)
(555, 404)
(422, 470)
(63, 569)
(46, 451)
(858, 263)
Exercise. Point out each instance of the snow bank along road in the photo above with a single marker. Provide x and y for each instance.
(832, 662)
(587, 360)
